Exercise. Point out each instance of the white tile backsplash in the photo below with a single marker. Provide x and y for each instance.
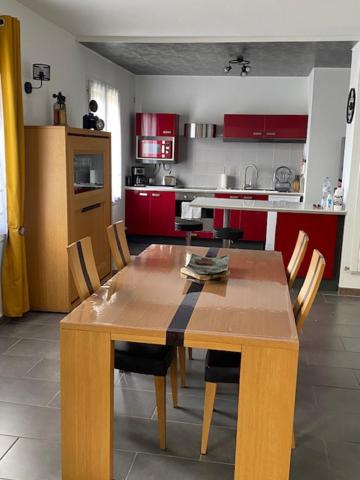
(202, 161)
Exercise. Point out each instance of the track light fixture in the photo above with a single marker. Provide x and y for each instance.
(244, 65)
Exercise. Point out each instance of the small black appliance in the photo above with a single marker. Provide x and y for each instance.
(138, 176)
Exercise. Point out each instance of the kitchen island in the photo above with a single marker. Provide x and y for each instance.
(284, 220)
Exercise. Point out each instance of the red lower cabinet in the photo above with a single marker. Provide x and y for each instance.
(234, 214)
(137, 212)
(150, 212)
(162, 213)
(322, 231)
(252, 223)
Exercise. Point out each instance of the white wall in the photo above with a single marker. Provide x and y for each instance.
(328, 90)
(206, 99)
(351, 241)
(72, 65)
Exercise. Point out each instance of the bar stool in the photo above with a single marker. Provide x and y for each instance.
(188, 226)
(228, 235)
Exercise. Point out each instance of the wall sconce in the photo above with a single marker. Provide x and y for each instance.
(40, 72)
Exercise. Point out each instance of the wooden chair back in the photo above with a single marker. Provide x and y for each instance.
(297, 257)
(83, 267)
(118, 244)
(308, 291)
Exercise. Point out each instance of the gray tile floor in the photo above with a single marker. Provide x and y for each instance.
(327, 410)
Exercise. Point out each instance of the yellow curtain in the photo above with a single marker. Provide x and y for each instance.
(14, 278)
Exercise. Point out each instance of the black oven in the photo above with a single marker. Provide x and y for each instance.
(207, 214)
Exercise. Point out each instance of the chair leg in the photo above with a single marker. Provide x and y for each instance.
(182, 362)
(293, 445)
(210, 393)
(190, 353)
(174, 380)
(160, 390)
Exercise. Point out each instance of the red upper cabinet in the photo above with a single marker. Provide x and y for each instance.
(157, 124)
(243, 126)
(286, 127)
(265, 127)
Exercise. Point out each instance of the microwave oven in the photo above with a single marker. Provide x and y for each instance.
(155, 149)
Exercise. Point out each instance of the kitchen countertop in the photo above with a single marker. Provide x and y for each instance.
(213, 190)
(260, 206)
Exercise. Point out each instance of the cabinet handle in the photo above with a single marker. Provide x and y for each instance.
(155, 194)
(166, 131)
(270, 134)
(233, 197)
(248, 197)
(141, 194)
(90, 207)
(257, 133)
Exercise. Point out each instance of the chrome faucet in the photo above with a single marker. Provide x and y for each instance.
(252, 184)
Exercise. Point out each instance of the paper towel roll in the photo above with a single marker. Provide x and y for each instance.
(223, 180)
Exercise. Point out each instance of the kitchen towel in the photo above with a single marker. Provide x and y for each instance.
(188, 212)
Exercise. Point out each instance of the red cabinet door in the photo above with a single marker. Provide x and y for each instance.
(253, 223)
(166, 124)
(146, 124)
(162, 213)
(137, 212)
(234, 214)
(286, 127)
(322, 230)
(157, 124)
(243, 126)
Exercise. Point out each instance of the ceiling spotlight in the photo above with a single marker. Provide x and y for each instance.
(245, 70)
(244, 65)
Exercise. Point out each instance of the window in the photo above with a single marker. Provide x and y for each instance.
(3, 220)
(108, 102)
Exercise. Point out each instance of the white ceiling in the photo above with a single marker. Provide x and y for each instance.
(234, 19)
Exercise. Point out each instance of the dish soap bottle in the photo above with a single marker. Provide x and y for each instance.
(326, 190)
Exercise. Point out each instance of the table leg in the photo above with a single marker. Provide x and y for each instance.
(87, 387)
(226, 218)
(266, 413)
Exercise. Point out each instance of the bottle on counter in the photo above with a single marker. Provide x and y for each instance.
(59, 109)
(329, 202)
(326, 190)
(339, 198)
(296, 184)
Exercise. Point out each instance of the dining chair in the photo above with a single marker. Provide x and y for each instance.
(224, 367)
(121, 255)
(128, 356)
(118, 244)
(297, 257)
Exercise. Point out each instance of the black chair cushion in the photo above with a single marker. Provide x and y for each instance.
(222, 367)
(228, 233)
(184, 225)
(143, 358)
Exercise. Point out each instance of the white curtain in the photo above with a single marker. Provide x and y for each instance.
(3, 220)
(108, 100)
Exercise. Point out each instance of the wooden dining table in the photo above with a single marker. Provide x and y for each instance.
(150, 301)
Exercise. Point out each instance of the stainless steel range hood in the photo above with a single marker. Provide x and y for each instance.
(199, 130)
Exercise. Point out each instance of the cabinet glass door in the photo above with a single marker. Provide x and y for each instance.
(88, 172)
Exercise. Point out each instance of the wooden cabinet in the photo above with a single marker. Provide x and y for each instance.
(149, 212)
(291, 128)
(252, 223)
(67, 197)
